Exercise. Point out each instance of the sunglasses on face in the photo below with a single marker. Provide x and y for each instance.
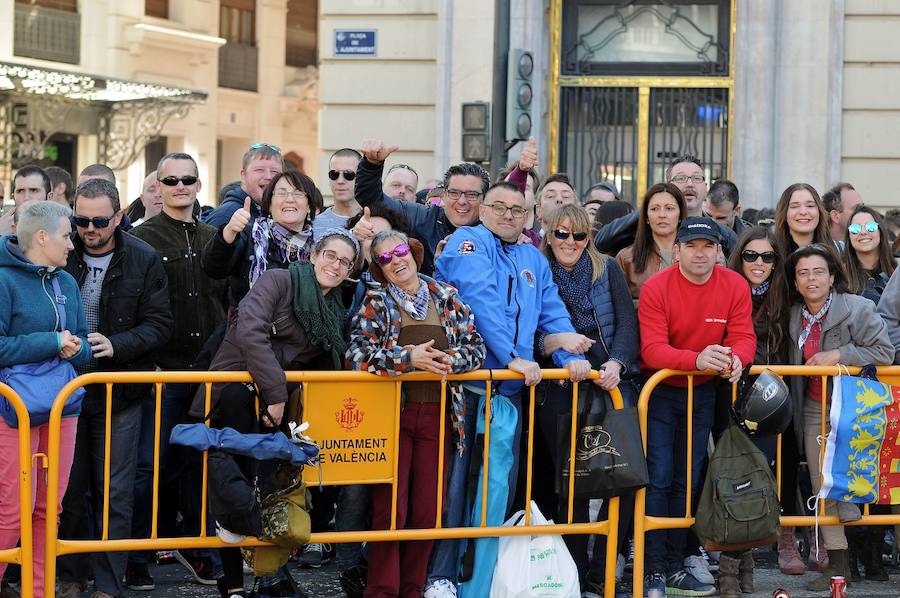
(383, 259)
(97, 221)
(768, 257)
(855, 229)
(172, 181)
(562, 235)
(349, 175)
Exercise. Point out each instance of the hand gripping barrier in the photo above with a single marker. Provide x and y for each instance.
(56, 547)
(644, 523)
(23, 554)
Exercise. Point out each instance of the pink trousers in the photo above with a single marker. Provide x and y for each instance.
(10, 528)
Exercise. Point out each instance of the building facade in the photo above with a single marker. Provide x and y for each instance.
(766, 92)
(148, 77)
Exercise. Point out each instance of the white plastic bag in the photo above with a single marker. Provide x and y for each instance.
(529, 566)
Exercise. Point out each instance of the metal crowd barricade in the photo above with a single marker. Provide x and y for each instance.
(644, 523)
(23, 554)
(57, 547)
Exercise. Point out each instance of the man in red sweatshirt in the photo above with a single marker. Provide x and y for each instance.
(694, 315)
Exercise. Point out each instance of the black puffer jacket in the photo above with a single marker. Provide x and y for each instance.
(134, 308)
(619, 234)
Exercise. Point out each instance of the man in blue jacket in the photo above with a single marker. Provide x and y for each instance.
(512, 294)
(260, 163)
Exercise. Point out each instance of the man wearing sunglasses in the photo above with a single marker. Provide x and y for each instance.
(464, 187)
(126, 301)
(260, 163)
(342, 180)
(686, 173)
(511, 292)
(197, 303)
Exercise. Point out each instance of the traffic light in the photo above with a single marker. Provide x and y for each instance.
(519, 94)
(476, 132)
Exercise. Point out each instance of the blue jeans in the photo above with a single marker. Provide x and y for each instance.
(667, 465)
(445, 559)
(82, 516)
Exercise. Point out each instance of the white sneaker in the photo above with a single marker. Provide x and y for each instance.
(229, 537)
(440, 588)
(699, 568)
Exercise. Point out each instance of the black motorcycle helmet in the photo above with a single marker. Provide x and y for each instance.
(764, 408)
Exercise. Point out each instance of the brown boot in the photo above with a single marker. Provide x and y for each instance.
(838, 565)
(745, 572)
(789, 560)
(818, 561)
(728, 577)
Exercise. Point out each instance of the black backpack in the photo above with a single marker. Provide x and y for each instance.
(738, 506)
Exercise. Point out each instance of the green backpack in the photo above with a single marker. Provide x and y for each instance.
(738, 506)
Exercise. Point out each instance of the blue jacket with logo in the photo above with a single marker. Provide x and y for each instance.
(510, 290)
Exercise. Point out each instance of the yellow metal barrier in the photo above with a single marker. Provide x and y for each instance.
(56, 547)
(23, 554)
(644, 523)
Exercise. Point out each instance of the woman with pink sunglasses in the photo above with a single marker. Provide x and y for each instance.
(411, 323)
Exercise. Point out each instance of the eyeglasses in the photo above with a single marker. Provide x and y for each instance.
(768, 257)
(349, 175)
(404, 167)
(172, 181)
(455, 194)
(500, 209)
(855, 229)
(283, 193)
(331, 256)
(680, 179)
(562, 235)
(97, 221)
(257, 146)
(401, 250)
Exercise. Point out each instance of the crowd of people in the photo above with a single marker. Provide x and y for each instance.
(518, 273)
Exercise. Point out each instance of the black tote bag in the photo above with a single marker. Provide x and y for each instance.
(609, 456)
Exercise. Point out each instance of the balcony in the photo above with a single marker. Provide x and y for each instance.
(47, 34)
(238, 66)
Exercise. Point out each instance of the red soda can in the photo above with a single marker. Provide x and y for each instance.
(838, 587)
(781, 593)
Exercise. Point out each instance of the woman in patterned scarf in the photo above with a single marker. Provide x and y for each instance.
(828, 326)
(598, 300)
(243, 250)
(411, 323)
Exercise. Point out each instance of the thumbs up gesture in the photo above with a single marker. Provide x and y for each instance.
(239, 220)
(363, 231)
(528, 159)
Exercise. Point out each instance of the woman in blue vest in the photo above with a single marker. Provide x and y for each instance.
(597, 298)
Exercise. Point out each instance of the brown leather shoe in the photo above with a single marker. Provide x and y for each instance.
(818, 561)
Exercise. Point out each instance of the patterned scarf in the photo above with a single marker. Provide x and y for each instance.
(574, 289)
(414, 305)
(761, 289)
(812, 320)
(289, 246)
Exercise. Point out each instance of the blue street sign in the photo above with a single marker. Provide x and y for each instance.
(354, 42)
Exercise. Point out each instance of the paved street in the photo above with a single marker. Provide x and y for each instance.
(173, 581)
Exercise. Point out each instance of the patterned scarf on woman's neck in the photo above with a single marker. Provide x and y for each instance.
(290, 246)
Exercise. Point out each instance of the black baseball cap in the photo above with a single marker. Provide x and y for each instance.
(698, 227)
